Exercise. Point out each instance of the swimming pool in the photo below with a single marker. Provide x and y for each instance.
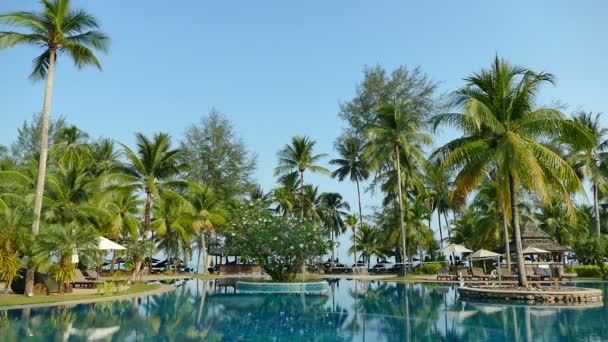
(353, 310)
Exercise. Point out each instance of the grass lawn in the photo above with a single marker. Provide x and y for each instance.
(10, 300)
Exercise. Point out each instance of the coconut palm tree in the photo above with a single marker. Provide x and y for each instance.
(206, 213)
(333, 211)
(299, 157)
(395, 139)
(503, 133)
(283, 196)
(171, 225)
(367, 239)
(589, 162)
(152, 167)
(57, 29)
(351, 221)
(61, 241)
(351, 164)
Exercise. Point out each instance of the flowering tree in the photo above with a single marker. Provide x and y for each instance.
(280, 244)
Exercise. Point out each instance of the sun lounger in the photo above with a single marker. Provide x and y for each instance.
(91, 275)
(531, 275)
(478, 274)
(443, 274)
(506, 274)
(81, 281)
(543, 273)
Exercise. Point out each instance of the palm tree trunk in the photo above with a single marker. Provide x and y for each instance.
(523, 281)
(147, 213)
(331, 263)
(447, 225)
(440, 230)
(596, 206)
(302, 193)
(44, 149)
(360, 219)
(505, 228)
(400, 201)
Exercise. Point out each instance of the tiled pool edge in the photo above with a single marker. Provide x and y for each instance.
(572, 296)
(320, 287)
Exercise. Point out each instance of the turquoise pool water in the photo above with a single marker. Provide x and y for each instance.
(353, 311)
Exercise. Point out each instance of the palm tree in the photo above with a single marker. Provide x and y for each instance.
(205, 214)
(57, 28)
(299, 157)
(367, 238)
(171, 225)
(589, 162)
(333, 212)
(283, 196)
(62, 241)
(150, 169)
(438, 186)
(503, 133)
(351, 164)
(395, 139)
(351, 221)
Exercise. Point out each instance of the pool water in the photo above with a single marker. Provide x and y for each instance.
(353, 311)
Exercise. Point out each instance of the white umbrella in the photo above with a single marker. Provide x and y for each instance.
(534, 250)
(452, 248)
(483, 253)
(106, 244)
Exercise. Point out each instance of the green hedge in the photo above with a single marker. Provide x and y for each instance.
(430, 268)
(587, 271)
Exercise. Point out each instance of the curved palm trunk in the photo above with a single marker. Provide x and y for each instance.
(360, 220)
(44, 149)
(523, 281)
(596, 206)
(400, 200)
(331, 264)
(147, 222)
(302, 193)
(440, 229)
(505, 228)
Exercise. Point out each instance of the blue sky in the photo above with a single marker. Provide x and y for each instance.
(281, 68)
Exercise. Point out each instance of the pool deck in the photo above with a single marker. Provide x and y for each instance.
(68, 302)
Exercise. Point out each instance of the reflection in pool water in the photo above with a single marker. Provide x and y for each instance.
(360, 311)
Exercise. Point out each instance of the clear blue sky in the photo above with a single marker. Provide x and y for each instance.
(280, 68)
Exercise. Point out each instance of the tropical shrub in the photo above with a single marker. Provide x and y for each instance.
(587, 271)
(430, 268)
(282, 245)
(9, 268)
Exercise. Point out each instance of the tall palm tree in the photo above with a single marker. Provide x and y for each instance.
(171, 225)
(367, 238)
(438, 183)
(351, 221)
(589, 162)
(152, 167)
(57, 29)
(333, 211)
(62, 241)
(206, 213)
(299, 157)
(395, 139)
(351, 164)
(503, 133)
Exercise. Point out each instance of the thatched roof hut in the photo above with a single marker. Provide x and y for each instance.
(532, 236)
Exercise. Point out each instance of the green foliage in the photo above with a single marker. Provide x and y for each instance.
(27, 143)
(379, 86)
(108, 288)
(214, 155)
(281, 244)
(587, 271)
(9, 267)
(430, 268)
